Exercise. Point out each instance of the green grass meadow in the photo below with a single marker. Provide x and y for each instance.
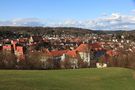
(78, 79)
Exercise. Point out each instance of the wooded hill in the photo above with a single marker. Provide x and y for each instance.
(46, 30)
(11, 31)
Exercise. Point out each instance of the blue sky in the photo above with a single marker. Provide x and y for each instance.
(61, 10)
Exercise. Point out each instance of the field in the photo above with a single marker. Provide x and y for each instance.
(79, 79)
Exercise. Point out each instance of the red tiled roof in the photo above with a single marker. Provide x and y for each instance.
(22, 40)
(14, 41)
(72, 53)
(19, 49)
(82, 48)
(85, 47)
(111, 53)
(7, 47)
(58, 53)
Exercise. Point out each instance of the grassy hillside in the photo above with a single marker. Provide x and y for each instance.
(80, 79)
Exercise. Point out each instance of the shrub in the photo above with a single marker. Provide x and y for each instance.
(7, 60)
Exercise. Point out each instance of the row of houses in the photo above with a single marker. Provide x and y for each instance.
(87, 49)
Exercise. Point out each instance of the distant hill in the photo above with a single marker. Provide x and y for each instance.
(46, 30)
(60, 30)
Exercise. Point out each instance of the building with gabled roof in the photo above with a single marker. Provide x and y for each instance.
(33, 39)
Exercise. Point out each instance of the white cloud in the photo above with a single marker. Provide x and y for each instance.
(133, 11)
(23, 22)
(114, 21)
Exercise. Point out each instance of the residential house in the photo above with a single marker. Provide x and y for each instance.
(84, 52)
(35, 39)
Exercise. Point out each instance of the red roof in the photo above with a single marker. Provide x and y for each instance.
(112, 53)
(72, 53)
(82, 48)
(7, 47)
(22, 40)
(14, 41)
(19, 49)
(85, 47)
(58, 53)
